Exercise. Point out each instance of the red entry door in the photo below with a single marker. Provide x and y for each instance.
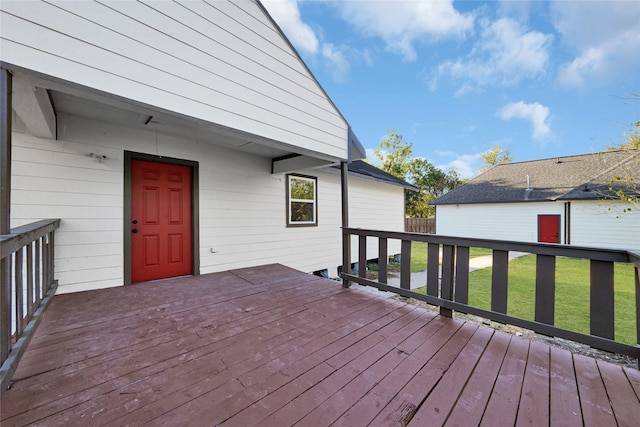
(549, 228)
(161, 239)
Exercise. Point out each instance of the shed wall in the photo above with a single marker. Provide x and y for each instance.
(222, 62)
(505, 221)
(605, 225)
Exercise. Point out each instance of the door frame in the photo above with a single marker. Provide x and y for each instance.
(129, 156)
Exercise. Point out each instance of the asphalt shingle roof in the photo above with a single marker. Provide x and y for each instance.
(365, 169)
(581, 177)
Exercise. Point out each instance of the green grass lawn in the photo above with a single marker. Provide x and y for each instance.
(572, 294)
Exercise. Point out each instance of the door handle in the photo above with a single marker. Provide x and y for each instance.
(134, 231)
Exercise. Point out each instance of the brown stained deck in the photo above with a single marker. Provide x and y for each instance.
(271, 346)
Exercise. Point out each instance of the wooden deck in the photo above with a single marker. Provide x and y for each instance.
(275, 347)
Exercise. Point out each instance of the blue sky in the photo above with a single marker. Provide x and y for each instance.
(540, 78)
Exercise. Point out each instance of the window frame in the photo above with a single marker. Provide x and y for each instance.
(291, 223)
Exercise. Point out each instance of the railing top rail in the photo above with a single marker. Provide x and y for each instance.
(25, 234)
(598, 254)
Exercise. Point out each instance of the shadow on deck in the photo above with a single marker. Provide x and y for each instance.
(275, 347)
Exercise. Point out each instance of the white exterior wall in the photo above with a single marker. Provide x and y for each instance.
(221, 62)
(375, 206)
(242, 205)
(605, 225)
(500, 221)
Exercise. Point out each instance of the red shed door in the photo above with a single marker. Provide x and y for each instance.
(161, 229)
(549, 228)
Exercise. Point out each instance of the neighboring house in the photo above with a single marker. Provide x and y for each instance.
(563, 200)
(176, 138)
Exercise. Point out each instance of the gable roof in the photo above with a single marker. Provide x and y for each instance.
(580, 177)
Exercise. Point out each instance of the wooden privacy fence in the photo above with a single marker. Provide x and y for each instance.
(420, 225)
(27, 285)
(447, 286)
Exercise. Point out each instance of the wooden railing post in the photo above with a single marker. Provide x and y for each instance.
(6, 120)
(346, 257)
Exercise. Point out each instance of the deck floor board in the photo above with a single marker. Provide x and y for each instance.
(272, 346)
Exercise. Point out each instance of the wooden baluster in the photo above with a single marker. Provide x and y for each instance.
(30, 290)
(433, 267)
(446, 285)
(18, 283)
(545, 289)
(405, 264)
(499, 281)
(461, 287)
(383, 256)
(602, 299)
(38, 272)
(362, 257)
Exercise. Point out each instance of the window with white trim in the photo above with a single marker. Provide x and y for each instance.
(302, 200)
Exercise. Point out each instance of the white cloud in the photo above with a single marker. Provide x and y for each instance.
(536, 113)
(403, 23)
(505, 54)
(605, 38)
(466, 165)
(339, 64)
(287, 16)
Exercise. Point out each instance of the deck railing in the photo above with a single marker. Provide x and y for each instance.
(27, 284)
(447, 282)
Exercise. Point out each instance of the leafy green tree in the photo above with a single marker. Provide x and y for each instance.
(395, 157)
(626, 185)
(496, 155)
(394, 154)
(432, 182)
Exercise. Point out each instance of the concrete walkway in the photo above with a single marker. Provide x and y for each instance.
(419, 278)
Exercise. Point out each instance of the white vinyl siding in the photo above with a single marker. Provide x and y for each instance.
(220, 62)
(604, 225)
(375, 206)
(500, 221)
(242, 205)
